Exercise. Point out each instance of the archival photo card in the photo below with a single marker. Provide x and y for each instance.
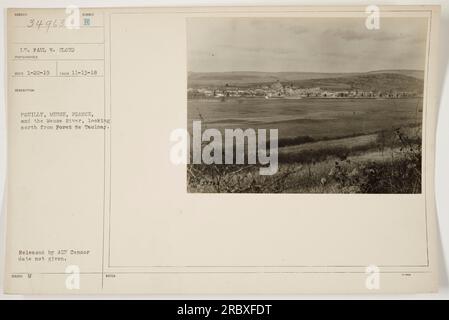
(222, 150)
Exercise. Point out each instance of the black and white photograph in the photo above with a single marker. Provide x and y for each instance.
(344, 99)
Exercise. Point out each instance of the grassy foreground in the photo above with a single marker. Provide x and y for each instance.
(388, 161)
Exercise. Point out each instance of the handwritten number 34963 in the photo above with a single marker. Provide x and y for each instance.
(41, 24)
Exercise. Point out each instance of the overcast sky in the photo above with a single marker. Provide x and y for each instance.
(304, 44)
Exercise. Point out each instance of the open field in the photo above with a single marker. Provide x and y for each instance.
(317, 118)
(325, 146)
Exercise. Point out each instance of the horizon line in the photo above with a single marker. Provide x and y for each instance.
(376, 70)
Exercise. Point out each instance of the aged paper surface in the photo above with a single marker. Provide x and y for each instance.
(97, 203)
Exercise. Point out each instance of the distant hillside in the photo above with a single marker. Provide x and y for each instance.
(418, 74)
(198, 79)
(365, 82)
(382, 80)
